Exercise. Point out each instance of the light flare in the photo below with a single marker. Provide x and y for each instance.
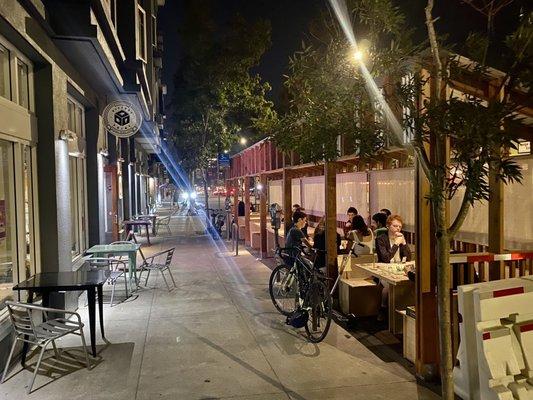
(343, 17)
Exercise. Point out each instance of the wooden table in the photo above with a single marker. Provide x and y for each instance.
(151, 217)
(45, 283)
(130, 250)
(138, 222)
(401, 289)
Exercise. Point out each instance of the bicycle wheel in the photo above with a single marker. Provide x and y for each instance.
(319, 302)
(283, 288)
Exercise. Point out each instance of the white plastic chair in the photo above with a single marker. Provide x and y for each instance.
(43, 333)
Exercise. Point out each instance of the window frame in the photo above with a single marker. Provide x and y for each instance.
(140, 15)
(15, 56)
(78, 193)
(154, 30)
(23, 223)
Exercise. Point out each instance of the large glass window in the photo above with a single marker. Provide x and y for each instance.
(141, 33)
(76, 116)
(8, 243)
(5, 80)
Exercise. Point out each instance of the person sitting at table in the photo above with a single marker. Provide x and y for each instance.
(379, 224)
(391, 248)
(296, 238)
(348, 226)
(319, 243)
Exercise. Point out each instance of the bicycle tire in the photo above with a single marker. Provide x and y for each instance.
(321, 306)
(278, 294)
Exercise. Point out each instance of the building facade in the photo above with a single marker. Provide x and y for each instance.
(66, 183)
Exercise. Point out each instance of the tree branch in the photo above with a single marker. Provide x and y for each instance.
(434, 46)
(461, 215)
(424, 162)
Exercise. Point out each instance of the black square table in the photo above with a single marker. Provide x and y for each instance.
(47, 282)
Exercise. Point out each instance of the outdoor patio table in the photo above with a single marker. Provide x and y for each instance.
(103, 250)
(47, 282)
(139, 222)
(401, 290)
(151, 217)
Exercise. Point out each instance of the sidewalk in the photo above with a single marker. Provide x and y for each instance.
(217, 336)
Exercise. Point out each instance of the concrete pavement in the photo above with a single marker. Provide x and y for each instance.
(216, 336)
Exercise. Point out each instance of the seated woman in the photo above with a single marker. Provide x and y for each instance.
(320, 243)
(361, 232)
(391, 247)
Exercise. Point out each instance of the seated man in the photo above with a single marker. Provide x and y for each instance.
(296, 238)
(392, 247)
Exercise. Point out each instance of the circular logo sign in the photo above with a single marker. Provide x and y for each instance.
(122, 119)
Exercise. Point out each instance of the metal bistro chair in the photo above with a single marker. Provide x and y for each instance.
(150, 264)
(163, 221)
(116, 268)
(41, 334)
(123, 257)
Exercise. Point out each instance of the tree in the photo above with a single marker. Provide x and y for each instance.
(215, 94)
(328, 101)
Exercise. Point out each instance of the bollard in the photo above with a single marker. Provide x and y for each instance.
(236, 239)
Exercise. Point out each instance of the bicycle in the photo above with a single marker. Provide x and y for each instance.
(304, 288)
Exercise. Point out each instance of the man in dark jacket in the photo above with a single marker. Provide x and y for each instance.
(392, 247)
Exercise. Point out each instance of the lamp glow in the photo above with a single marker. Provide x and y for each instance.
(193, 195)
(243, 141)
(259, 187)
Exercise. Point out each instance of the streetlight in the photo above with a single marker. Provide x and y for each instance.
(243, 141)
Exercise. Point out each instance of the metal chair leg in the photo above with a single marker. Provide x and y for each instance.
(165, 279)
(126, 282)
(56, 352)
(85, 348)
(32, 381)
(172, 277)
(9, 360)
(112, 294)
(147, 276)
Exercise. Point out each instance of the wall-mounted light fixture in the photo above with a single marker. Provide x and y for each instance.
(67, 135)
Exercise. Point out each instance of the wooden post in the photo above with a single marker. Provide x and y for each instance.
(496, 211)
(427, 338)
(247, 238)
(236, 202)
(287, 200)
(263, 216)
(330, 180)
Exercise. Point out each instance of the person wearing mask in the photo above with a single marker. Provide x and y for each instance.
(319, 243)
(379, 224)
(391, 248)
(351, 213)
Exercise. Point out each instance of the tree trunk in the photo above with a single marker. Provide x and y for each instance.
(443, 300)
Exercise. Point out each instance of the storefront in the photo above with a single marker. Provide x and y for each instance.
(19, 249)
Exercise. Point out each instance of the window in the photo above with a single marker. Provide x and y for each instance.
(154, 31)
(5, 81)
(141, 33)
(15, 75)
(23, 89)
(8, 231)
(76, 116)
(78, 212)
(17, 256)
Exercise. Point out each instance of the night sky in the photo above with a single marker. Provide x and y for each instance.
(290, 20)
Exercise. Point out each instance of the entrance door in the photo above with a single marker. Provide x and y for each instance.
(111, 200)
